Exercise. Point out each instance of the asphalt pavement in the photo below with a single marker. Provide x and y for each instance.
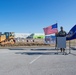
(37, 61)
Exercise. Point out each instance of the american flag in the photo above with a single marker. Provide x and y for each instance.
(50, 29)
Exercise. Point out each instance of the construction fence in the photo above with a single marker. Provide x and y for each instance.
(72, 43)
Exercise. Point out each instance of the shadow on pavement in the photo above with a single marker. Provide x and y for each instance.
(36, 49)
(33, 49)
(40, 53)
(42, 49)
(16, 49)
(73, 48)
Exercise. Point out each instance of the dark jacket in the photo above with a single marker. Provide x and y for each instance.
(61, 33)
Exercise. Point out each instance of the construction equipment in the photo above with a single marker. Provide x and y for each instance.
(7, 38)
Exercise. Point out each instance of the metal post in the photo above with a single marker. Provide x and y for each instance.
(69, 48)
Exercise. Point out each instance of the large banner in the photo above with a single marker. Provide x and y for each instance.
(50, 39)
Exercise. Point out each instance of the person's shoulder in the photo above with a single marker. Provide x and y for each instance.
(65, 31)
(59, 31)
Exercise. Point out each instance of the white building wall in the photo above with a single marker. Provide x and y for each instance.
(24, 35)
(21, 35)
(39, 34)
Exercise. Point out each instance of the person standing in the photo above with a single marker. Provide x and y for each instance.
(62, 33)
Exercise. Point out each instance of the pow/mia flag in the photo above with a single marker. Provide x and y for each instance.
(72, 34)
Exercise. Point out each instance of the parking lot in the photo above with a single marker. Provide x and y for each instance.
(37, 61)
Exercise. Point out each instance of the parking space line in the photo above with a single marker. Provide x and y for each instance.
(35, 59)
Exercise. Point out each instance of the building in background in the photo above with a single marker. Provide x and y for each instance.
(39, 36)
(21, 35)
(34, 37)
(30, 36)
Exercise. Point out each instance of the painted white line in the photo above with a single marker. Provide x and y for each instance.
(35, 59)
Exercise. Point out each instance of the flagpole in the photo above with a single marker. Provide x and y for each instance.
(69, 48)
